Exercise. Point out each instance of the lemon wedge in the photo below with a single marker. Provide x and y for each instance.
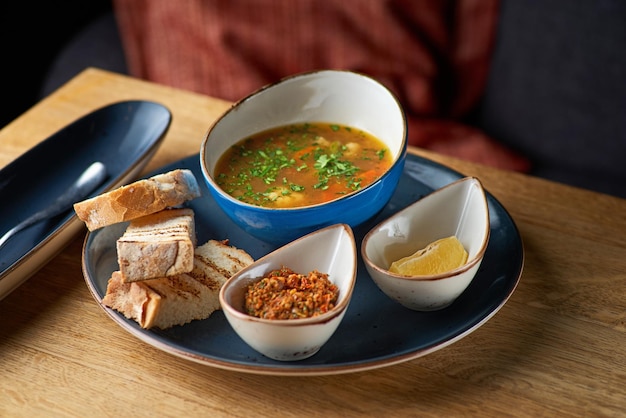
(438, 257)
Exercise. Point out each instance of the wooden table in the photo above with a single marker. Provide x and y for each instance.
(558, 347)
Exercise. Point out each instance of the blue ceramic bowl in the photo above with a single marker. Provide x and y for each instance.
(334, 96)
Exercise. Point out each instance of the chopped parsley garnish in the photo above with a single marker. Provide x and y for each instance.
(330, 165)
(263, 168)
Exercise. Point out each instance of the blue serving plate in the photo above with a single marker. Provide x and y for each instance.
(123, 136)
(375, 332)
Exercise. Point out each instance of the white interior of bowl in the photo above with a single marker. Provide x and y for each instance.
(457, 209)
(340, 97)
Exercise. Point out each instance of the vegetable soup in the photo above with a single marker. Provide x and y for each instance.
(302, 164)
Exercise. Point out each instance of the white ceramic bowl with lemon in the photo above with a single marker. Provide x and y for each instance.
(435, 245)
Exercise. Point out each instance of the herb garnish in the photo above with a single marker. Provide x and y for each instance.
(330, 165)
(273, 159)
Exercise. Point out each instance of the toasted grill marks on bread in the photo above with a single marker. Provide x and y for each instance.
(157, 245)
(163, 278)
(138, 199)
(168, 301)
(222, 258)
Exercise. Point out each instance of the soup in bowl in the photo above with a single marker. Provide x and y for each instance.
(302, 164)
(312, 150)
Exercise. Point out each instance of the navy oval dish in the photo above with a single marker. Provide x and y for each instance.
(122, 135)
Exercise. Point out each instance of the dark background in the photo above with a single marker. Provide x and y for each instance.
(31, 35)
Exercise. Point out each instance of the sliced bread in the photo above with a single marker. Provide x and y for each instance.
(157, 245)
(177, 300)
(138, 199)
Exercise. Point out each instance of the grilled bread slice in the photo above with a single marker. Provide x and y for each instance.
(177, 300)
(157, 245)
(138, 199)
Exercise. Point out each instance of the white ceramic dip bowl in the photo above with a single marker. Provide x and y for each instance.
(330, 250)
(458, 209)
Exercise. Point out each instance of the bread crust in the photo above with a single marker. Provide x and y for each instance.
(138, 199)
(168, 301)
(157, 245)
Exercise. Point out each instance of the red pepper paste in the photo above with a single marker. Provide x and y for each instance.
(285, 294)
